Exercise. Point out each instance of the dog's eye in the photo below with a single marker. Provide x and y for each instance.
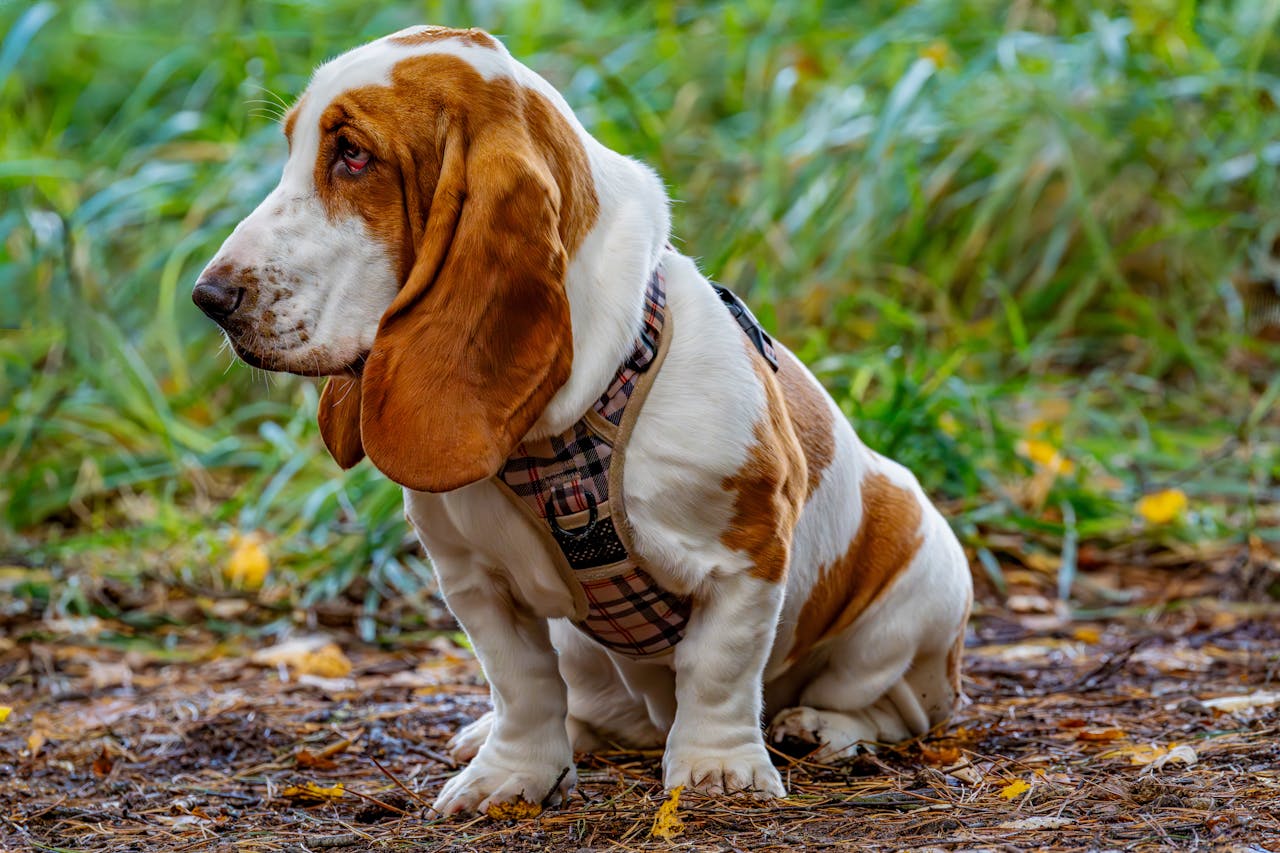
(355, 159)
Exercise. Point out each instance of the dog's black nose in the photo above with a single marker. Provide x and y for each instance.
(217, 298)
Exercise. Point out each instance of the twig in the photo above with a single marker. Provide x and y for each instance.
(399, 784)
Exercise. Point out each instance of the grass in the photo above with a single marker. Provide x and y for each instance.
(983, 224)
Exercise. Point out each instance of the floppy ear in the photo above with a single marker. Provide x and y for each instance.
(339, 416)
(478, 340)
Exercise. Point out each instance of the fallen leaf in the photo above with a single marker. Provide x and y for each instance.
(517, 809)
(1101, 735)
(310, 792)
(1086, 634)
(943, 755)
(1231, 704)
(5, 711)
(102, 764)
(35, 742)
(1138, 754)
(311, 761)
(1162, 507)
(248, 564)
(306, 656)
(1181, 753)
(1045, 822)
(667, 823)
(1015, 789)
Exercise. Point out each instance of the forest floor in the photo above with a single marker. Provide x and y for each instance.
(1149, 726)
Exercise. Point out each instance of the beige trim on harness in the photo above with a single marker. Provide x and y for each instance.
(615, 507)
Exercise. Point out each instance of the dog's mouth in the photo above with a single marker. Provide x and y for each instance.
(307, 362)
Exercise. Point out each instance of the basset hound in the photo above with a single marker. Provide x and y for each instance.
(503, 320)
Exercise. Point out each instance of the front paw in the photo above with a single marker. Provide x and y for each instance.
(744, 770)
(483, 784)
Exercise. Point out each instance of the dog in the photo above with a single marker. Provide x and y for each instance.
(651, 520)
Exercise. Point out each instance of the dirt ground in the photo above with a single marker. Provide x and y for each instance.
(1155, 726)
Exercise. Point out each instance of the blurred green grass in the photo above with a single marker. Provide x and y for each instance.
(969, 216)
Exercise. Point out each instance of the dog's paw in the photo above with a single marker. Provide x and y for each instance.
(482, 785)
(820, 736)
(746, 770)
(467, 742)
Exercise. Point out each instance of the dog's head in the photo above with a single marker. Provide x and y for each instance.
(415, 250)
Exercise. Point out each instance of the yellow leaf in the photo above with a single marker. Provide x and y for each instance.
(1045, 455)
(517, 809)
(1015, 789)
(307, 656)
(939, 52)
(248, 564)
(1086, 634)
(5, 711)
(1138, 754)
(1162, 507)
(310, 792)
(667, 823)
(948, 424)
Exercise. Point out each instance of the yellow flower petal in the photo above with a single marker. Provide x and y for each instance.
(248, 565)
(1045, 455)
(1015, 789)
(667, 823)
(1162, 507)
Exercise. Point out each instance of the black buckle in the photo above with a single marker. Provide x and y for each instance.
(592, 517)
(750, 325)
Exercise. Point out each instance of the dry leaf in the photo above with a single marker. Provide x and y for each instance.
(1086, 634)
(102, 764)
(1162, 507)
(311, 761)
(667, 823)
(1232, 704)
(310, 792)
(1138, 754)
(1046, 822)
(1181, 753)
(517, 809)
(5, 711)
(248, 564)
(306, 656)
(943, 755)
(1015, 789)
(35, 742)
(1101, 735)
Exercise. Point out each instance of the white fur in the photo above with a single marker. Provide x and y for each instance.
(553, 688)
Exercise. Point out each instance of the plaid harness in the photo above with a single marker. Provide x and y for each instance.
(566, 482)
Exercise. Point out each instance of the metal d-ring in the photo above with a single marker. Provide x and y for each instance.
(592, 517)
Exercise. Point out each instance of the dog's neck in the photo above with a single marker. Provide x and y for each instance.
(606, 280)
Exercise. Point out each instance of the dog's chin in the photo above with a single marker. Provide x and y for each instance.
(309, 363)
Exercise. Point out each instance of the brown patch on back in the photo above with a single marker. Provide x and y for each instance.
(887, 540)
(810, 415)
(768, 487)
(427, 35)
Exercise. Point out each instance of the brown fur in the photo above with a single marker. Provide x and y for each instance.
(886, 542)
(811, 416)
(427, 35)
(481, 190)
(769, 487)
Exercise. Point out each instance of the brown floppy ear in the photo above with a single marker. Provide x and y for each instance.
(339, 416)
(478, 340)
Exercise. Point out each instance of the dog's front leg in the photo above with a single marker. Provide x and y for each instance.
(527, 754)
(715, 745)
